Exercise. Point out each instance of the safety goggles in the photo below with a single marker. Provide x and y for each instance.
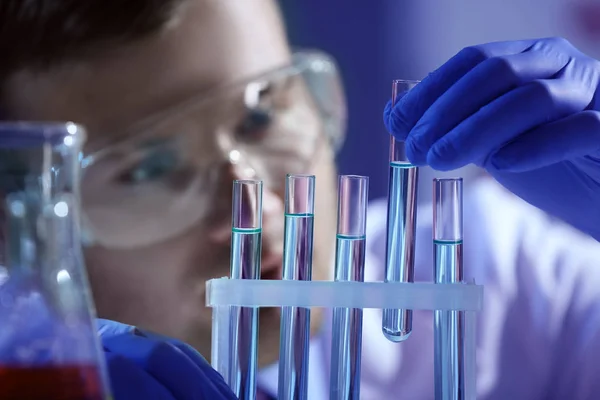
(164, 176)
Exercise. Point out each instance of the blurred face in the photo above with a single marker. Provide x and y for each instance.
(167, 136)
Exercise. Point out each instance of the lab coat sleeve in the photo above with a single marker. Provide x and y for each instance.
(539, 329)
(542, 302)
(576, 353)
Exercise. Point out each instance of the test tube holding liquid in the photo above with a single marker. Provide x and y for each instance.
(246, 246)
(449, 328)
(297, 265)
(349, 266)
(401, 225)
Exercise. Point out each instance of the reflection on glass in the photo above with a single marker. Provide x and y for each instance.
(48, 344)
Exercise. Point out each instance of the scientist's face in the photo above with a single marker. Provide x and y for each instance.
(157, 193)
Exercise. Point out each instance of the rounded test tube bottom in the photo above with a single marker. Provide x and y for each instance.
(397, 335)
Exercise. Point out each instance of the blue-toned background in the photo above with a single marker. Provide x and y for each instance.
(353, 33)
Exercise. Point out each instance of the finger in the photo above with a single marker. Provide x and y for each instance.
(386, 116)
(188, 350)
(107, 328)
(410, 108)
(537, 103)
(405, 86)
(128, 381)
(390, 105)
(167, 364)
(473, 91)
(197, 359)
(574, 136)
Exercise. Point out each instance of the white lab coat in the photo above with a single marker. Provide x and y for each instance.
(539, 331)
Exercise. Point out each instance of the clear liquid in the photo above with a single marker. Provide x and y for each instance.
(346, 343)
(400, 261)
(246, 246)
(449, 328)
(295, 321)
(298, 246)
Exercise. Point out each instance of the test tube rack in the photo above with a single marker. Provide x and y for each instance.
(223, 293)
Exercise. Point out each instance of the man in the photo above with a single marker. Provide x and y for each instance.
(157, 195)
(180, 97)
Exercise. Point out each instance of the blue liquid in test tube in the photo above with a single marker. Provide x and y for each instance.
(401, 224)
(246, 246)
(297, 265)
(349, 266)
(449, 328)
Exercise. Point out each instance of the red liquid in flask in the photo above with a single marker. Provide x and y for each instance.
(65, 382)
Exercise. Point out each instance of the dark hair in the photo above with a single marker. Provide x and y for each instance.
(39, 33)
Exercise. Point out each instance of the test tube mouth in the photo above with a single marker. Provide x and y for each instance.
(247, 204)
(412, 82)
(447, 209)
(400, 87)
(353, 193)
(299, 194)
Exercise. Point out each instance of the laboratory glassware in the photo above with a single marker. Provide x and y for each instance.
(401, 225)
(246, 246)
(297, 265)
(346, 344)
(449, 326)
(49, 348)
(223, 293)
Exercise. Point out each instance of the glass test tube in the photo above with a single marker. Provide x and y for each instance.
(246, 243)
(297, 265)
(401, 224)
(449, 326)
(349, 266)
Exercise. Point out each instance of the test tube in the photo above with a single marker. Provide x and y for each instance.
(349, 266)
(297, 265)
(449, 329)
(401, 223)
(246, 243)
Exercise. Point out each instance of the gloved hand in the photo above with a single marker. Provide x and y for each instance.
(145, 366)
(526, 111)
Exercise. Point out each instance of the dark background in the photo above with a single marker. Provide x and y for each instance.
(346, 29)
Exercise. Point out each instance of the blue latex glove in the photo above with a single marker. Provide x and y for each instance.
(146, 366)
(526, 111)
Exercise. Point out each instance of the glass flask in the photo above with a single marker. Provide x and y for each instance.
(49, 348)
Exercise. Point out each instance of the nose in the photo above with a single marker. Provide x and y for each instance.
(272, 208)
(272, 219)
(223, 177)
